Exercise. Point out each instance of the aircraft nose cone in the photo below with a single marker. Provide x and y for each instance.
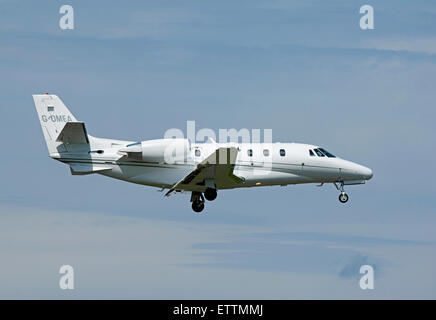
(367, 173)
(354, 171)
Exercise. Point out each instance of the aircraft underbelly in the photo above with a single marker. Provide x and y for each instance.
(167, 176)
(268, 177)
(150, 175)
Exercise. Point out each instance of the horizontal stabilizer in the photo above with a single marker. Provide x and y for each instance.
(85, 168)
(73, 133)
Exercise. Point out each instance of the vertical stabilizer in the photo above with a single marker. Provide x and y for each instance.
(53, 115)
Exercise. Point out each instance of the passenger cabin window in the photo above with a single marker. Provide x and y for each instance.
(266, 152)
(311, 153)
(197, 153)
(250, 152)
(282, 152)
(328, 154)
(319, 153)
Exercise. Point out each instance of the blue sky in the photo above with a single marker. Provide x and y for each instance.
(301, 68)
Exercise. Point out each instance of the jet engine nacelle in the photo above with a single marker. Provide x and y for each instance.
(165, 150)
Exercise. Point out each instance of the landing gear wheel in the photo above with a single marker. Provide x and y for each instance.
(343, 197)
(210, 194)
(198, 206)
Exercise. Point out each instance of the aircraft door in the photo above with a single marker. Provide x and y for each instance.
(257, 158)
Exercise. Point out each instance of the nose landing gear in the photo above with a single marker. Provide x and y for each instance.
(343, 197)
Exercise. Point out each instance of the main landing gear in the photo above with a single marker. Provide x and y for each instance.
(343, 197)
(198, 206)
(198, 201)
(210, 194)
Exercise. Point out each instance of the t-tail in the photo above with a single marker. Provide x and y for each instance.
(62, 131)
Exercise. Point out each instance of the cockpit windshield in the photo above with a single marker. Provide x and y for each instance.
(319, 153)
(328, 154)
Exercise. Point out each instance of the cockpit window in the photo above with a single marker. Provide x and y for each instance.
(319, 153)
(311, 153)
(328, 154)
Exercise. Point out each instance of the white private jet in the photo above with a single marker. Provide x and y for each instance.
(179, 165)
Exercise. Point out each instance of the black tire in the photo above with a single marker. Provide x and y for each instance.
(210, 194)
(343, 197)
(197, 206)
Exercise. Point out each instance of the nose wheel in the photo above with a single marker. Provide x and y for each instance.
(343, 197)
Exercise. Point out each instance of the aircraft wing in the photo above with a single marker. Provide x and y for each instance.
(218, 167)
(73, 133)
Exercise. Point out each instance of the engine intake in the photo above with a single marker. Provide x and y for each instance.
(159, 151)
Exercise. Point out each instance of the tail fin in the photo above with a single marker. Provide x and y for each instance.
(53, 115)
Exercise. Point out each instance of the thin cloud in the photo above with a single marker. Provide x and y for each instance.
(417, 45)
